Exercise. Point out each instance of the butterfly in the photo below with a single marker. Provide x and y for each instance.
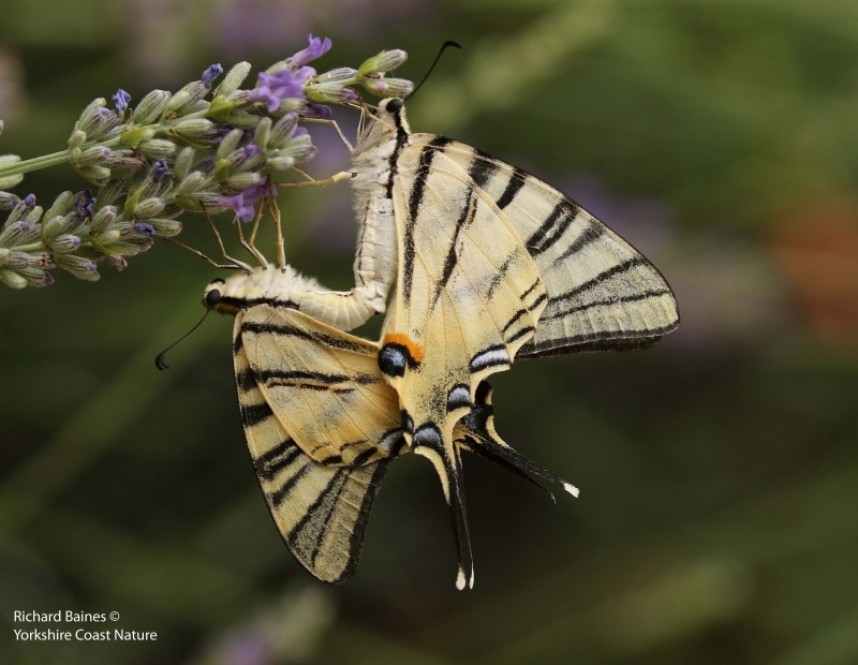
(486, 263)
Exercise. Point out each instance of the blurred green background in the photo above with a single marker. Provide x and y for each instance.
(718, 471)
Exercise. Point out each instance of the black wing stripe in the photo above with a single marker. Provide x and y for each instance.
(467, 216)
(332, 341)
(552, 228)
(300, 378)
(253, 414)
(606, 302)
(590, 234)
(279, 495)
(603, 276)
(516, 182)
(482, 168)
(269, 464)
(415, 200)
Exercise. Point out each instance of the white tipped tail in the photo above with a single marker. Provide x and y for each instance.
(460, 579)
(571, 489)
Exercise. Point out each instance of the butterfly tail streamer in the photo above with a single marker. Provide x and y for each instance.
(449, 469)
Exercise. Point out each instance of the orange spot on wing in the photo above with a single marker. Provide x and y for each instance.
(402, 339)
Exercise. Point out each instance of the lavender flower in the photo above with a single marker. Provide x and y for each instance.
(273, 89)
(315, 49)
(200, 149)
(121, 100)
(211, 73)
(244, 202)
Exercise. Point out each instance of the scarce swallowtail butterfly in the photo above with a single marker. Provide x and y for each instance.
(486, 262)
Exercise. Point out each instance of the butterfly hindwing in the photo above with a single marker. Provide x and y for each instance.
(321, 425)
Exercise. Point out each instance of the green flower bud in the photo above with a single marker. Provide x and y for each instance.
(242, 181)
(383, 62)
(97, 120)
(77, 139)
(195, 128)
(65, 244)
(134, 136)
(194, 182)
(185, 98)
(8, 200)
(299, 148)
(62, 205)
(36, 277)
(233, 79)
(165, 228)
(329, 93)
(54, 226)
(281, 163)
(15, 260)
(282, 130)
(184, 162)
(78, 266)
(95, 173)
(157, 148)
(10, 181)
(103, 218)
(262, 133)
(229, 144)
(391, 87)
(107, 237)
(88, 156)
(148, 208)
(12, 279)
(150, 107)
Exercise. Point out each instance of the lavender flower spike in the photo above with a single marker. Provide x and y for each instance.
(316, 48)
(121, 99)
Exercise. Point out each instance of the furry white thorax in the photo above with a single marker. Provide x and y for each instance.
(269, 285)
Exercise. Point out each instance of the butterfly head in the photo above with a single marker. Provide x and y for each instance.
(213, 298)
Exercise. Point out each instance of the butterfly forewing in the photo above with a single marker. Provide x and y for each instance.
(602, 293)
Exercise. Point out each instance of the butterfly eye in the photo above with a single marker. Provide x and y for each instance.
(212, 298)
(394, 106)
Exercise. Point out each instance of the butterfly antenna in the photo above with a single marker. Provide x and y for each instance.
(443, 48)
(160, 362)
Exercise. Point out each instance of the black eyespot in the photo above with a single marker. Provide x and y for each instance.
(212, 298)
(394, 105)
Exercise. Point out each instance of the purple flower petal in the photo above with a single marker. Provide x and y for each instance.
(160, 169)
(317, 111)
(211, 73)
(244, 201)
(121, 99)
(282, 85)
(316, 48)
